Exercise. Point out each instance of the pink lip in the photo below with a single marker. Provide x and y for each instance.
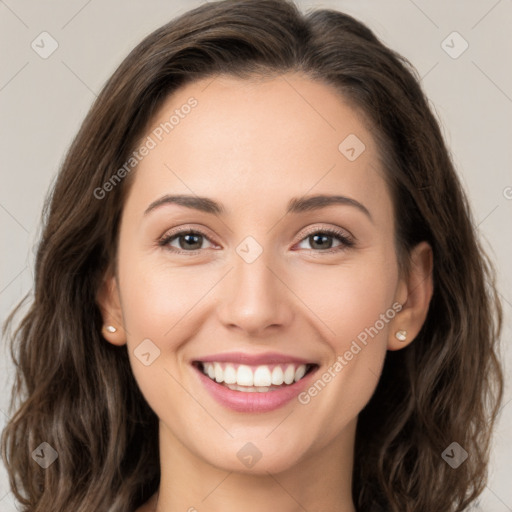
(240, 401)
(252, 359)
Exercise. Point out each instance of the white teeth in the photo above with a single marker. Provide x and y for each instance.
(219, 374)
(257, 378)
(289, 374)
(262, 376)
(246, 389)
(230, 374)
(244, 376)
(277, 376)
(300, 372)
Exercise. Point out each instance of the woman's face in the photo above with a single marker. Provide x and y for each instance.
(264, 285)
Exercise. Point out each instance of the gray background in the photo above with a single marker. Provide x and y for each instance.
(43, 101)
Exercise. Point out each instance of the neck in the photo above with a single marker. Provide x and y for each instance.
(321, 480)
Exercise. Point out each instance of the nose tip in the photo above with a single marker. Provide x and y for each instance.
(255, 299)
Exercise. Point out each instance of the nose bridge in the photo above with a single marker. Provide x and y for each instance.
(256, 296)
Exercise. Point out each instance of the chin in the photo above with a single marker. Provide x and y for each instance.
(256, 455)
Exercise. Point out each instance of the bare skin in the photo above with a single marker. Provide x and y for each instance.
(252, 145)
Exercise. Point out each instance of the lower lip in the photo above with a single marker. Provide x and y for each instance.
(241, 401)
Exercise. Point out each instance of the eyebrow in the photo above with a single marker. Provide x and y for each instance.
(295, 205)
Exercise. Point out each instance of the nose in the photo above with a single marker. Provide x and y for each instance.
(256, 299)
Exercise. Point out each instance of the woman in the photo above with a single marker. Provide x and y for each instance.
(258, 287)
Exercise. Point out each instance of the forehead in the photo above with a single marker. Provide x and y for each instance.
(258, 142)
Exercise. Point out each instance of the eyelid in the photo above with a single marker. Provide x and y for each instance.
(331, 230)
(183, 230)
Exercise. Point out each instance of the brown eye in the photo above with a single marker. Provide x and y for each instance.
(188, 241)
(322, 240)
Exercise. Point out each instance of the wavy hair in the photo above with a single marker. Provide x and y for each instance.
(77, 392)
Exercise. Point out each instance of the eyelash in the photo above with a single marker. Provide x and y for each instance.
(346, 241)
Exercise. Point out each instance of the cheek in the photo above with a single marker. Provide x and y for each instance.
(156, 297)
(355, 305)
(350, 297)
(158, 308)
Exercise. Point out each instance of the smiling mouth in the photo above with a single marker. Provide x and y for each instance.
(255, 379)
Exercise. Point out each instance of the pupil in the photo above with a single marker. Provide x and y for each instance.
(315, 241)
(190, 242)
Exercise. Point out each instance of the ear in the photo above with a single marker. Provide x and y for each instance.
(414, 292)
(109, 302)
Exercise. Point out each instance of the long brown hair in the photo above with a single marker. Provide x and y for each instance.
(76, 392)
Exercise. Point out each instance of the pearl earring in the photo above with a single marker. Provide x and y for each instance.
(110, 328)
(401, 335)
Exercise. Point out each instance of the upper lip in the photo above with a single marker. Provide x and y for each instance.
(253, 359)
